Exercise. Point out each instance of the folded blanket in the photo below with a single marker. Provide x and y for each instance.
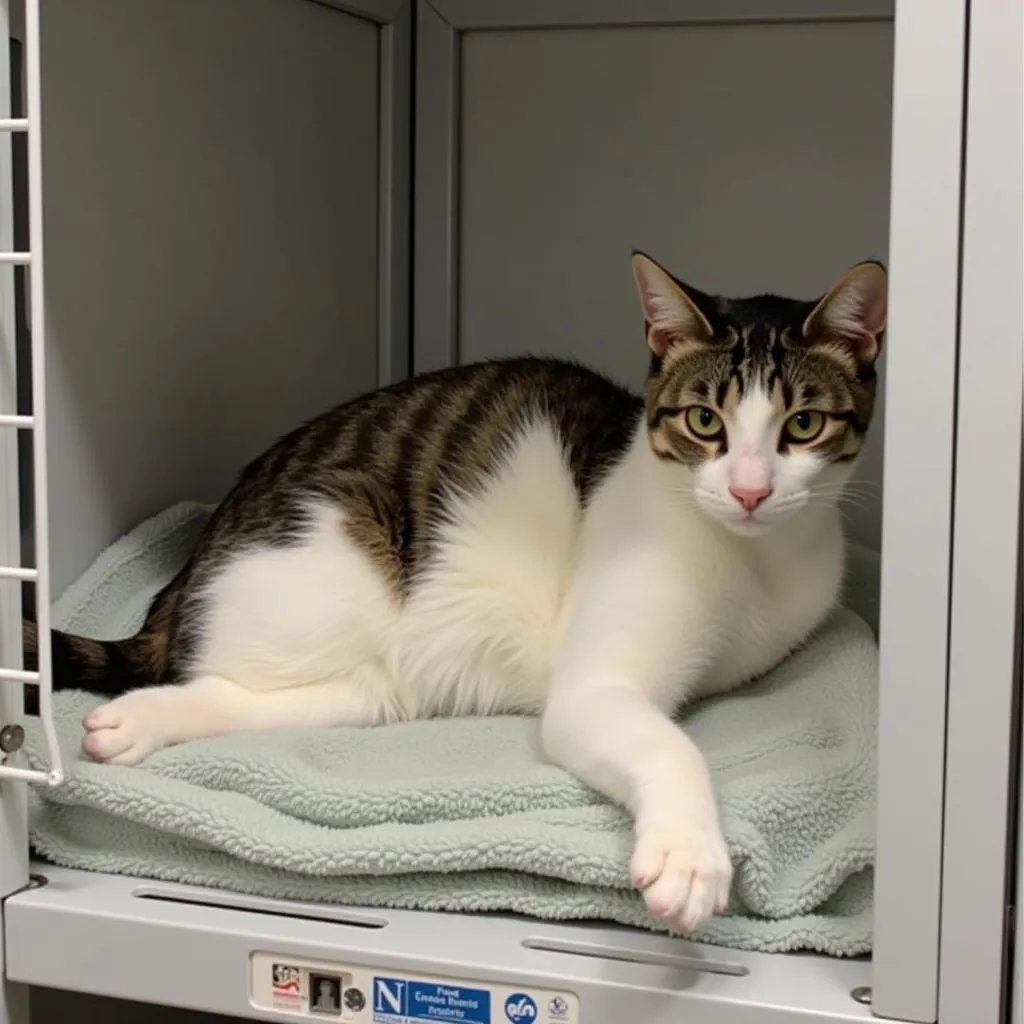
(465, 814)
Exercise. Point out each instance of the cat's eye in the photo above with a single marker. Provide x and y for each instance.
(804, 426)
(703, 422)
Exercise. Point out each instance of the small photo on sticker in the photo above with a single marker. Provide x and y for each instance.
(325, 994)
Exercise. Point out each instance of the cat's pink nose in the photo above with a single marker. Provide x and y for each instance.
(750, 497)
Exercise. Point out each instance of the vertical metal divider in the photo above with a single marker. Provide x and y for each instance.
(394, 353)
(983, 671)
(921, 377)
(435, 191)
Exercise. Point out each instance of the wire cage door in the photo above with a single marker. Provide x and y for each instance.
(12, 573)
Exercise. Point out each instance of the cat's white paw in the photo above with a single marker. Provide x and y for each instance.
(684, 874)
(125, 731)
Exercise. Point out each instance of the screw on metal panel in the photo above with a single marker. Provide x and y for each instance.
(12, 737)
(862, 994)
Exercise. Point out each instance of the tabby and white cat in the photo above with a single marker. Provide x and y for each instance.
(526, 536)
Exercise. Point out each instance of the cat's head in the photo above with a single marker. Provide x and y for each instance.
(765, 401)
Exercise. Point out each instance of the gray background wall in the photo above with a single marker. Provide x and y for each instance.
(745, 157)
(211, 244)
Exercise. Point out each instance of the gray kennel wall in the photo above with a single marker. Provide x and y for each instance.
(747, 156)
(211, 174)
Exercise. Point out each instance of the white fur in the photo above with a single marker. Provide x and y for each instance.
(602, 621)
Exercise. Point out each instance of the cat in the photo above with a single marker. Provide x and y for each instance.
(526, 536)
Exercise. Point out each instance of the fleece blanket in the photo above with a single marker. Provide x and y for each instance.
(466, 815)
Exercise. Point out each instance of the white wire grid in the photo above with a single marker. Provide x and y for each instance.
(33, 260)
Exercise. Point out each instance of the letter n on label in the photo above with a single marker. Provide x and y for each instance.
(389, 996)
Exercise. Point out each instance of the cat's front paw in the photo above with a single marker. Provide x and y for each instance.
(125, 731)
(684, 874)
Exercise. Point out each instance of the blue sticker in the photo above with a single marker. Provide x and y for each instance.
(520, 1008)
(398, 1001)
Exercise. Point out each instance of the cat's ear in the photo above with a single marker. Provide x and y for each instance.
(670, 315)
(854, 312)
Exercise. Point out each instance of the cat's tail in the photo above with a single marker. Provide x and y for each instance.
(106, 668)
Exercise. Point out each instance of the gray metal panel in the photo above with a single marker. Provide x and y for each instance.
(974, 968)
(436, 196)
(495, 14)
(394, 196)
(439, 25)
(920, 408)
(89, 933)
(381, 11)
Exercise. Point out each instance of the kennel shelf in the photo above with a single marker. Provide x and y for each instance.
(115, 936)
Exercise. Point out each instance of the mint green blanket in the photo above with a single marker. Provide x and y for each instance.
(465, 814)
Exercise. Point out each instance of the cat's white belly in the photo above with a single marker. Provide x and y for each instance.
(757, 647)
(475, 635)
(314, 613)
(771, 620)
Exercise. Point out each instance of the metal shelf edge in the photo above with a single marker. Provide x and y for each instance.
(102, 938)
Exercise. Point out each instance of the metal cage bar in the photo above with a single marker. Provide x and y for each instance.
(33, 259)
(14, 830)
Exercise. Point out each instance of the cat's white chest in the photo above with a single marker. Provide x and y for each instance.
(772, 605)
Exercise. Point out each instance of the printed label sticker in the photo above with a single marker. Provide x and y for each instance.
(396, 1001)
(349, 994)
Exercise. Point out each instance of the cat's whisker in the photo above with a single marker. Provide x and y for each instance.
(827, 486)
(842, 494)
(838, 494)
